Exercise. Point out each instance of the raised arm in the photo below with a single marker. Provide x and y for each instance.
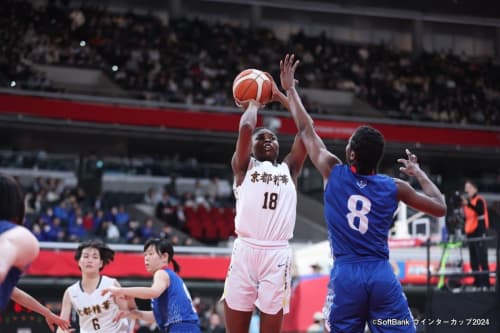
(297, 155)
(29, 302)
(322, 159)
(241, 156)
(432, 201)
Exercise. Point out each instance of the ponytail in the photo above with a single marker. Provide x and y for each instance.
(177, 268)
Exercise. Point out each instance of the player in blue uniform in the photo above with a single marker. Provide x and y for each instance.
(18, 249)
(359, 206)
(171, 302)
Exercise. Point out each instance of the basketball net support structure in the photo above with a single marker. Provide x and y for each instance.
(401, 229)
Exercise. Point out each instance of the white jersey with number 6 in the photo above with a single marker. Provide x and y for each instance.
(266, 202)
(96, 312)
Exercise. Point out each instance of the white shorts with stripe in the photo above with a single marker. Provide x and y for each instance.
(259, 276)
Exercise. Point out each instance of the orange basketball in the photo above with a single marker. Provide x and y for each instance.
(252, 85)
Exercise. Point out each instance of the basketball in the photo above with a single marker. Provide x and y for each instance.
(252, 85)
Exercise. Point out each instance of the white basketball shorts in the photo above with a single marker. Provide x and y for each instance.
(259, 276)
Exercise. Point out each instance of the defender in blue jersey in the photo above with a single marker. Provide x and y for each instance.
(172, 308)
(18, 248)
(359, 206)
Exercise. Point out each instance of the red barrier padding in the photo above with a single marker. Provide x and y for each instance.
(228, 122)
(308, 297)
(128, 265)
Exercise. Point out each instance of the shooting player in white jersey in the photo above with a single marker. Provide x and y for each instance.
(266, 204)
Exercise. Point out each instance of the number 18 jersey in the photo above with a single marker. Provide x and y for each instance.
(359, 211)
(266, 202)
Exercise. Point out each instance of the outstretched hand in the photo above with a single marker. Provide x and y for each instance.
(276, 93)
(288, 65)
(410, 166)
(53, 321)
(113, 291)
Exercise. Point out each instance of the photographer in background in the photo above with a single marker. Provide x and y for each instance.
(476, 225)
(455, 219)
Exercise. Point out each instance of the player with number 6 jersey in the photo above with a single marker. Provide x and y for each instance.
(96, 312)
(266, 204)
(359, 206)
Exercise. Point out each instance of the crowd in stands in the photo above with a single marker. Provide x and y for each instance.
(205, 213)
(55, 213)
(176, 61)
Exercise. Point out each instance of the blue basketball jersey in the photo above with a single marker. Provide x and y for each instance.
(359, 210)
(12, 277)
(174, 305)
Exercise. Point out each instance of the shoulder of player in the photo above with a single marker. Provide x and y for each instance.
(162, 276)
(73, 290)
(402, 186)
(107, 280)
(74, 285)
(400, 182)
(161, 273)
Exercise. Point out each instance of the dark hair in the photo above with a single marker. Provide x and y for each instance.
(12, 200)
(473, 183)
(162, 245)
(368, 144)
(107, 255)
(261, 128)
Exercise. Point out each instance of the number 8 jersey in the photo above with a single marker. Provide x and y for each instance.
(359, 210)
(266, 202)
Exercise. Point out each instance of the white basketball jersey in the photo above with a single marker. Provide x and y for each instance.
(266, 202)
(96, 312)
